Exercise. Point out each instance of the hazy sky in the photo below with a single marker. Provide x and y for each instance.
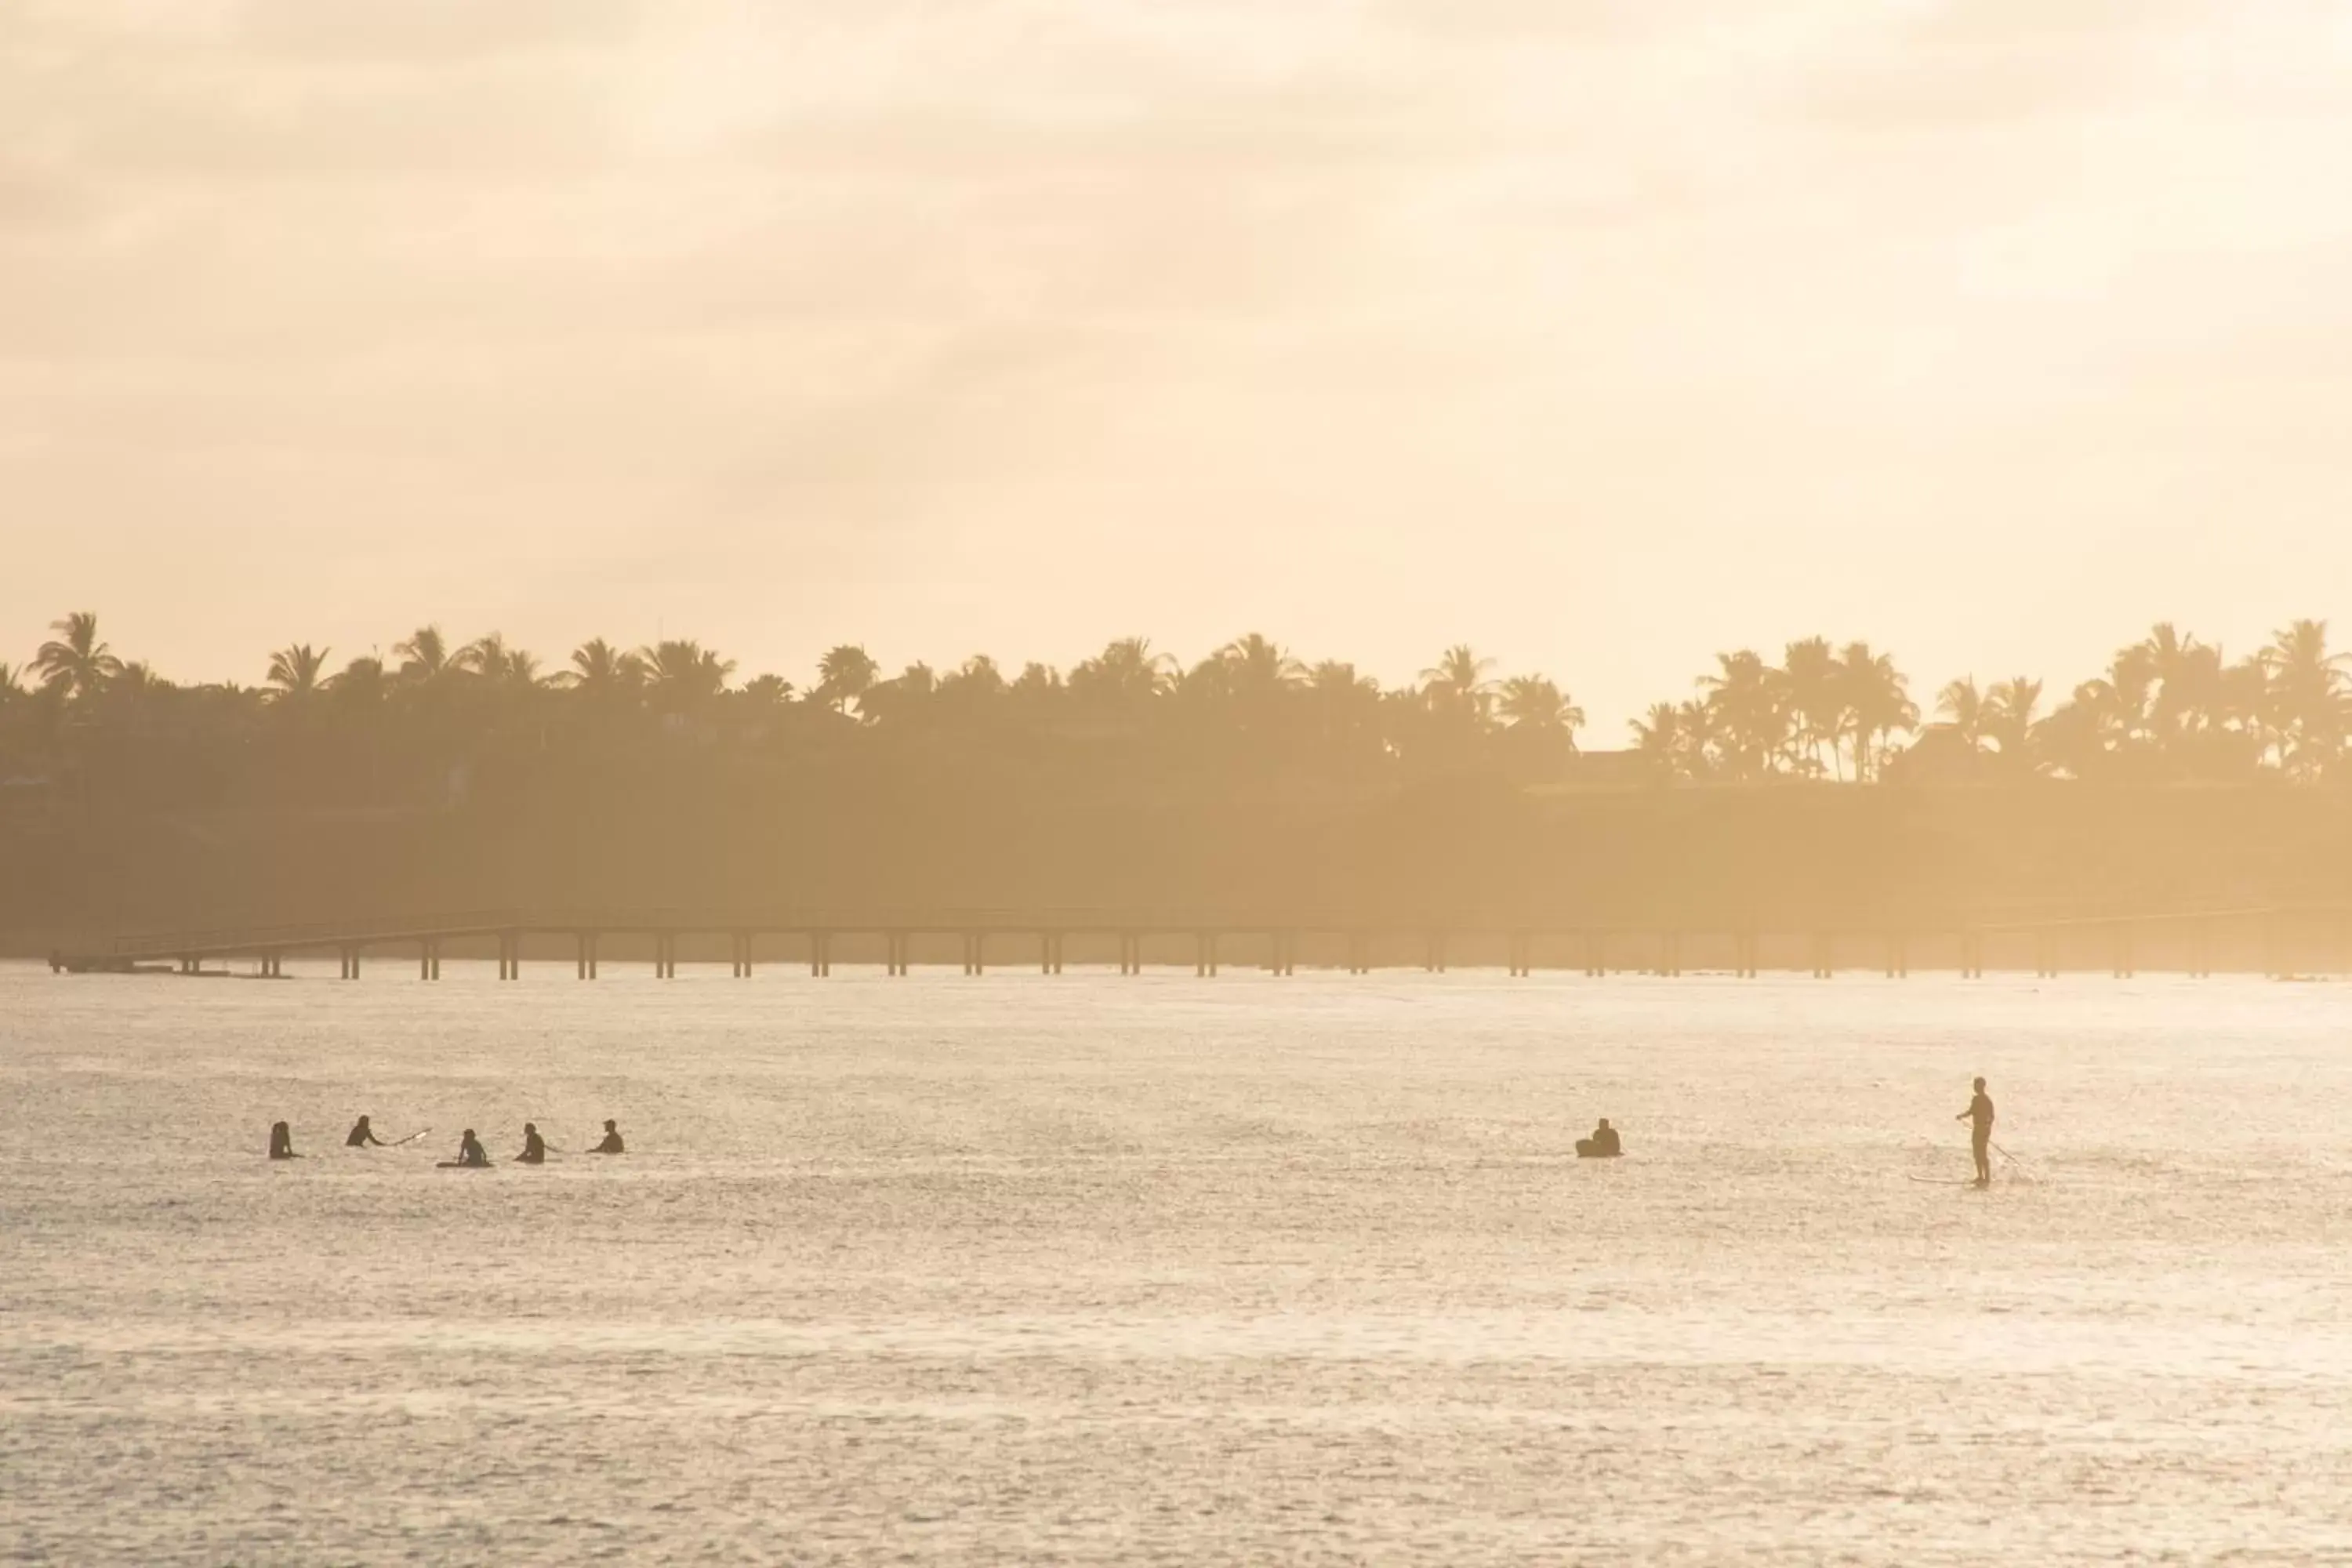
(1599, 333)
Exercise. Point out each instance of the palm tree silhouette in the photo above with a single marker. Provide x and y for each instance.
(2009, 717)
(1658, 737)
(425, 658)
(74, 662)
(2308, 696)
(1965, 712)
(2243, 710)
(682, 675)
(845, 675)
(1458, 683)
(1260, 675)
(362, 686)
(1879, 704)
(1126, 675)
(490, 658)
(1748, 708)
(977, 681)
(295, 672)
(1533, 703)
(1346, 706)
(1815, 686)
(603, 671)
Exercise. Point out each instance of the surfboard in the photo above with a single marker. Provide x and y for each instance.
(1944, 1181)
(460, 1165)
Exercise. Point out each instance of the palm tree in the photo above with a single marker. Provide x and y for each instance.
(11, 684)
(2009, 717)
(1345, 706)
(768, 691)
(296, 672)
(425, 658)
(74, 663)
(1260, 675)
(1038, 688)
(602, 672)
(1658, 737)
(2079, 738)
(1878, 700)
(975, 683)
(2242, 710)
(2306, 687)
(1746, 703)
(1965, 712)
(494, 661)
(1532, 704)
(2127, 701)
(362, 686)
(1458, 683)
(1126, 675)
(2173, 660)
(682, 674)
(845, 675)
(1816, 696)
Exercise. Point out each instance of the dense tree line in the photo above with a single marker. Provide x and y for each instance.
(2170, 708)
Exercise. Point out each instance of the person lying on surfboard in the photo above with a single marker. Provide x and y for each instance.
(361, 1135)
(1603, 1145)
(612, 1143)
(534, 1147)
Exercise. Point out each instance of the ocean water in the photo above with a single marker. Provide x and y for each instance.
(1092, 1269)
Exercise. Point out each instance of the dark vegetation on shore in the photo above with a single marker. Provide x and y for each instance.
(454, 774)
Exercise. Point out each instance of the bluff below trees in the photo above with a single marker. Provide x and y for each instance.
(868, 838)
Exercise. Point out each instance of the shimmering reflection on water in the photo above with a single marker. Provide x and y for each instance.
(1092, 1269)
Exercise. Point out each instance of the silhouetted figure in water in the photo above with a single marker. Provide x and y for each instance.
(470, 1150)
(1603, 1145)
(534, 1147)
(1978, 1116)
(361, 1135)
(281, 1141)
(612, 1143)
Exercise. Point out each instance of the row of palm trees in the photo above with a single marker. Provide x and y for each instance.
(2170, 706)
(2167, 707)
(1819, 712)
(1252, 686)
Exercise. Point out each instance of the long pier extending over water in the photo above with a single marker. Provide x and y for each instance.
(2279, 940)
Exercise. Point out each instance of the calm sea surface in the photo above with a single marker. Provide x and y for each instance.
(1085, 1270)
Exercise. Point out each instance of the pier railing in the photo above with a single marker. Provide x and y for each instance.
(1359, 940)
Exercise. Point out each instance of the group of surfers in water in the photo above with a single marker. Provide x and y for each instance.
(1604, 1143)
(470, 1152)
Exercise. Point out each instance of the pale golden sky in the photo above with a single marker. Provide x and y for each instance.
(1599, 333)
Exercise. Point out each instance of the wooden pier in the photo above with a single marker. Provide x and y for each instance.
(2280, 942)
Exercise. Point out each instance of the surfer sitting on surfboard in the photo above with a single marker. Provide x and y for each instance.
(612, 1143)
(361, 1135)
(470, 1150)
(534, 1147)
(1603, 1145)
(281, 1141)
(1979, 1115)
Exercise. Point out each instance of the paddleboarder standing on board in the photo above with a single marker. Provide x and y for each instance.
(1978, 1116)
